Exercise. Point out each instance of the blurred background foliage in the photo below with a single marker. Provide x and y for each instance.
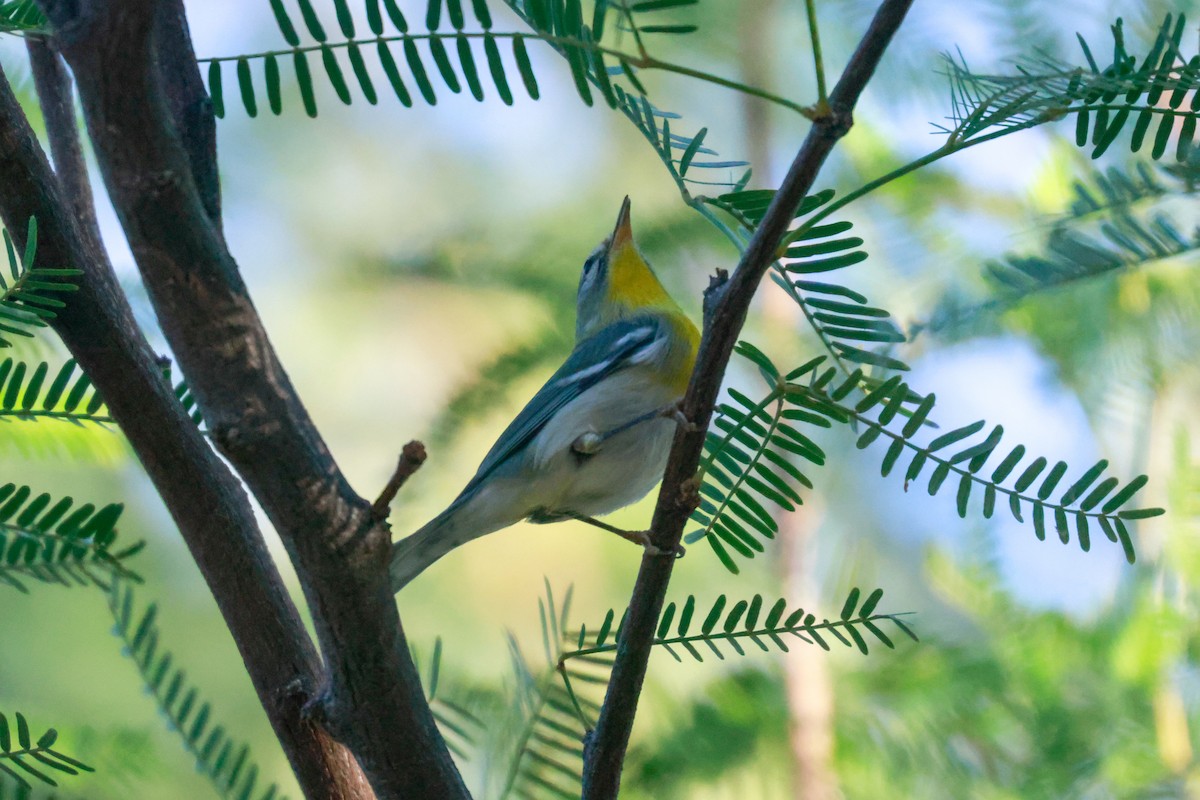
(416, 267)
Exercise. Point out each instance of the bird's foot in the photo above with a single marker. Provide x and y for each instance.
(643, 538)
(637, 537)
(675, 412)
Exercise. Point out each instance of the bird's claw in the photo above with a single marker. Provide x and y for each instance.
(675, 412)
(643, 538)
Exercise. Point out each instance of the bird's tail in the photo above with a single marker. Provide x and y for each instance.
(413, 554)
(472, 515)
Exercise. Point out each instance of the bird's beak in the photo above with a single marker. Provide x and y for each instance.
(622, 235)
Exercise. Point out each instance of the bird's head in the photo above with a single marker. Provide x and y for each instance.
(617, 282)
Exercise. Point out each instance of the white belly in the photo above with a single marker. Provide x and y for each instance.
(625, 467)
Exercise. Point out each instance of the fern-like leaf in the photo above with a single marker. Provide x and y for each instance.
(677, 152)
(734, 626)
(226, 762)
(1116, 223)
(460, 727)
(958, 457)
(36, 392)
(22, 757)
(848, 326)
(749, 461)
(1147, 91)
(56, 542)
(347, 66)
(27, 297)
(545, 757)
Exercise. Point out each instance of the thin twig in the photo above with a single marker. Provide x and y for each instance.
(412, 456)
(818, 59)
(605, 748)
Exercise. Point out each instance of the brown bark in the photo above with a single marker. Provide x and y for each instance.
(150, 127)
(205, 500)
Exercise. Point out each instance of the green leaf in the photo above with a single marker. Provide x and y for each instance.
(1123, 496)
(859, 356)
(396, 16)
(23, 732)
(955, 435)
(521, 56)
(1030, 474)
(304, 80)
(964, 495)
(1081, 530)
(850, 604)
(664, 621)
(393, 75)
(433, 14)
(691, 150)
(826, 264)
(1087, 479)
(1140, 513)
(246, 85)
(496, 66)
(1051, 480)
(215, 92)
(271, 77)
(868, 607)
(418, 72)
(672, 29)
(361, 74)
(311, 21)
(374, 19)
(1126, 541)
(480, 8)
(286, 28)
(344, 17)
(442, 60)
(455, 12)
(714, 615)
(685, 616)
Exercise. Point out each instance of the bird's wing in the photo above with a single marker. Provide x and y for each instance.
(609, 350)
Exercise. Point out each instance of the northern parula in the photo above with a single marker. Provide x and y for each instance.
(597, 435)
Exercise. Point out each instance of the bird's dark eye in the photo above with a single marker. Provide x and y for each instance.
(590, 264)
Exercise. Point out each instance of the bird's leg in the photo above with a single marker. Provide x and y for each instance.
(637, 537)
(589, 443)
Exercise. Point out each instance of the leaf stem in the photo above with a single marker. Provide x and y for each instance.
(642, 60)
(818, 60)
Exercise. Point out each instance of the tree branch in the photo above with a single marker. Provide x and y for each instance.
(606, 745)
(53, 86)
(411, 459)
(373, 700)
(204, 499)
(189, 103)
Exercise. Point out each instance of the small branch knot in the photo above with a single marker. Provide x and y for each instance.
(689, 494)
(712, 295)
(412, 456)
(838, 122)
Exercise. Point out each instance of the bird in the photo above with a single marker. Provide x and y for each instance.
(596, 436)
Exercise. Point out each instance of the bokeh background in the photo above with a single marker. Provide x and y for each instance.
(397, 254)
